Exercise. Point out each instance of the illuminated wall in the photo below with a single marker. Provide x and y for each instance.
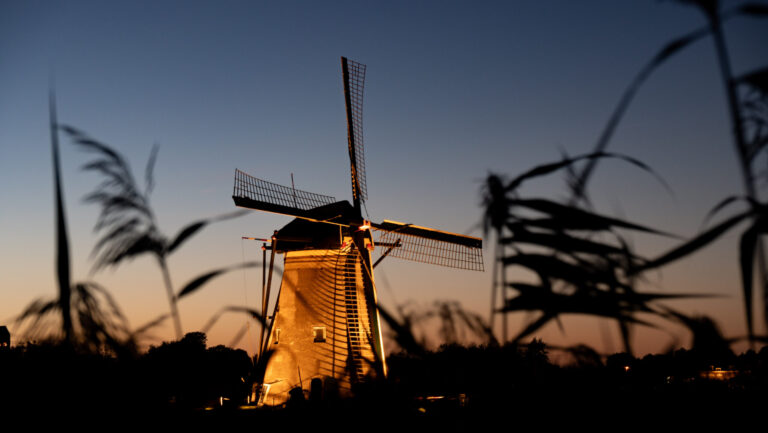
(321, 312)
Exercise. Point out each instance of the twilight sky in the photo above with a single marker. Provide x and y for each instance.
(454, 90)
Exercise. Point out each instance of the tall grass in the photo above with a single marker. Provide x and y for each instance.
(580, 260)
(583, 264)
(88, 316)
(127, 220)
(746, 115)
(62, 238)
(89, 319)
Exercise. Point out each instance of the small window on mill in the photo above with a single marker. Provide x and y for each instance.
(319, 333)
(277, 336)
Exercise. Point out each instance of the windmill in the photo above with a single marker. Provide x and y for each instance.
(325, 331)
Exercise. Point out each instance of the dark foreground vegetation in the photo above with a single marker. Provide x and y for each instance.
(190, 382)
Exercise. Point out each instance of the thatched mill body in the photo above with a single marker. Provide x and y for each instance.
(325, 333)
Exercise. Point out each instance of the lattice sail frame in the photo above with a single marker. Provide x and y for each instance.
(247, 186)
(356, 81)
(426, 250)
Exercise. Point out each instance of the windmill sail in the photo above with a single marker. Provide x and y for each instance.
(254, 193)
(354, 79)
(425, 245)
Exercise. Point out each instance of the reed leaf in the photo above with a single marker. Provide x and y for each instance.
(568, 162)
(201, 280)
(495, 204)
(149, 177)
(551, 267)
(562, 242)
(592, 301)
(143, 329)
(259, 317)
(403, 332)
(754, 9)
(188, 231)
(747, 246)
(573, 216)
(238, 335)
(63, 277)
(722, 205)
(694, 244)
(477, 325)
(757, 79)
(578, 187)
(533, 327)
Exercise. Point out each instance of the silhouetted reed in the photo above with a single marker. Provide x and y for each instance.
(83, 317)
(62, 238)
(564, 244)
(747, 104)
(98, 325)
(127, 220)
(582, 262)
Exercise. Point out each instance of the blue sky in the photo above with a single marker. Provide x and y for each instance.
(454, 90)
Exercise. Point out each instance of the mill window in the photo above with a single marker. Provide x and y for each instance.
(319, 334)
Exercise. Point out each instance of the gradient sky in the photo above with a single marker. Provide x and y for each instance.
(454, 90)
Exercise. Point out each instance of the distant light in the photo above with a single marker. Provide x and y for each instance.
(717, 373)
(626, 368)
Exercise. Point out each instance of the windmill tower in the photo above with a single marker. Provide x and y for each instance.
(325, 331)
